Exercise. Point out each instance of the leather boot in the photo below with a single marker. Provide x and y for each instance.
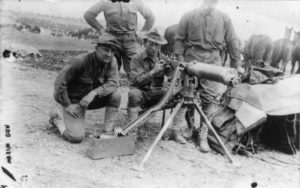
(132, 114)
(110, 118)
(202, 139)
(177, 124)
(57, 121)
(177, 137)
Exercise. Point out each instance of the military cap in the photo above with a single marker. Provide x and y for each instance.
(107, 39)
(155, 37)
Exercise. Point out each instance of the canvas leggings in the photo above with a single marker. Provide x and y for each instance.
(75, 129)
(210, 91)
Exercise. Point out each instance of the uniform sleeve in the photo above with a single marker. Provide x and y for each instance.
(181, 35)
(147, 14)
(91, 14)
(64, 77)
(139, 77)
(232, 43)
(111, 82)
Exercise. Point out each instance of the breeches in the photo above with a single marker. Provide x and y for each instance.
(75, 129)
(128, 50)
(144, 98)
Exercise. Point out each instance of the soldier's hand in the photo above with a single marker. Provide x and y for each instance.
(158, 68)
(86, 100)
(74, 110)
(180, 58)
(240, 70)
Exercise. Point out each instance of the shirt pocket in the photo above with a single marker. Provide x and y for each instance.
(219, 35)
(111, 16)
(132, 16)
(85, 82)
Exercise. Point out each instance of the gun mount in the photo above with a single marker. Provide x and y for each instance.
(223, 75)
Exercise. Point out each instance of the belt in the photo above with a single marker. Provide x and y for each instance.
(121, 32)
(205, 50)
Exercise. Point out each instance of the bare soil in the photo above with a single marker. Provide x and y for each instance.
(41, 158)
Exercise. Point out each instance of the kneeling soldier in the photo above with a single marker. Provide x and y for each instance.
(90, 81)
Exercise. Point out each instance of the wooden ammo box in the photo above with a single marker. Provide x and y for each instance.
(111, 147)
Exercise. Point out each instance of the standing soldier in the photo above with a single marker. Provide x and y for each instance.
(121, 21)
(90, 81)
(201, 34)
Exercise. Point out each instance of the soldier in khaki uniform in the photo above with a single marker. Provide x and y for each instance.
(121, 21)
(89, 81)
(201, 35)
(148, 75)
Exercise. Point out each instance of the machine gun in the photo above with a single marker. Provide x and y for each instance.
(116, 143)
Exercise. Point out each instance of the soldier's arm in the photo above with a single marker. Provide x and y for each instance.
(180, 37)
(111, 82)
(139, 77)
(147, 14)
(64, 77)
(91, 14)
(232, 43)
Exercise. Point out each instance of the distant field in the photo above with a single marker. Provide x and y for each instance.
(45, 41)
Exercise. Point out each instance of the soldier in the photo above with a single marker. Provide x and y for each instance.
(121, 21)
(148, 75)
(201, 34)
(90, 81)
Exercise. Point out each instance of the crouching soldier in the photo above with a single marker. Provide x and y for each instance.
(147, 75)
(90, 81)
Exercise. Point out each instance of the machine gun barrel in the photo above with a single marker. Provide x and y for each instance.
(225, 75)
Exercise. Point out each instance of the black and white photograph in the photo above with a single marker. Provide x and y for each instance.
(149, 93)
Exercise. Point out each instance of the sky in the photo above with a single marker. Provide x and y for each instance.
(248, 16)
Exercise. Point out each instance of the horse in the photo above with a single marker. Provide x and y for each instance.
(296, 52)
(83, 33)
(282, 50)
(258, 49)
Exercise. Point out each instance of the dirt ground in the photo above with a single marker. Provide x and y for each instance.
(41, 158)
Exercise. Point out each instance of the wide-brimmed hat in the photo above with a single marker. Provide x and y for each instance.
(155, 37)
(107, 39)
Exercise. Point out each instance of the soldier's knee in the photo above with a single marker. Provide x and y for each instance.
(73, 137)
(115, 99)
(134, 96)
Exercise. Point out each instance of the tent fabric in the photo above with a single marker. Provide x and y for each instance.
(280, 98)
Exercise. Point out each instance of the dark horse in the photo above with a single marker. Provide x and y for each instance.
(282, 50)
(296, 52)
(258, 49)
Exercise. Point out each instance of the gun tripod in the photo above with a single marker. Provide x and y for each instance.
(187, 99)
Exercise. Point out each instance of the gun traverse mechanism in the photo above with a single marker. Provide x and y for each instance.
(109, 144)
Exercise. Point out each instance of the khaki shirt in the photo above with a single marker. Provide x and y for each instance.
(141, 65)
(120, 17)
(208, 30)
(84, 74)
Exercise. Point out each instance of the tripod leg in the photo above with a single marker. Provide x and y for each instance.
(214, 132)
(161, 133)
(163, 118)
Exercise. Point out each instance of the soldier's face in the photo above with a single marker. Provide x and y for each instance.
(152, 48)
(211, 3)
(104, 53)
